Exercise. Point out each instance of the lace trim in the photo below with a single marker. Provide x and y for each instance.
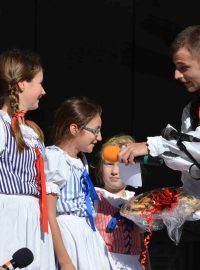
(76, 163)
(29, 135)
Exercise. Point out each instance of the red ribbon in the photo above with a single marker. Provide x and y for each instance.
(17, 116)
(40, 178)
(150, 221)
(165, 199)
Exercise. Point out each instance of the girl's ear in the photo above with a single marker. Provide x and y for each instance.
(21, 86)
(74, 129)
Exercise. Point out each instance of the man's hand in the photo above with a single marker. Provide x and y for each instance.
(128, 154)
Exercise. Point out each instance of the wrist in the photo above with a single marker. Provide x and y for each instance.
(147, 148)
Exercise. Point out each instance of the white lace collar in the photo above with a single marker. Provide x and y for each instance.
(113, 199)
(29, 135)
(74, 162)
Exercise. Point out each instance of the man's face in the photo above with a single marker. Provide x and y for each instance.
(187, 69)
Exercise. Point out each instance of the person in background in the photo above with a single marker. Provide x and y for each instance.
(71, 194)
(124, 240)
(23, 205)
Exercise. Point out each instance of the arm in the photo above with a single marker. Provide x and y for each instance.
(180, 161)
(60, 251)
(168, 150)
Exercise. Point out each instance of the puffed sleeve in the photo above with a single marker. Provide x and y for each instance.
(56, 169)
(2, 137)
(155, 145)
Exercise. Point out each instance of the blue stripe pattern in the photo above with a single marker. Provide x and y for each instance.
(72, 199)
(17, 169)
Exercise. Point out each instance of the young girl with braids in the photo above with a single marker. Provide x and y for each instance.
(76, 130)
(123, 238)
(23, 206)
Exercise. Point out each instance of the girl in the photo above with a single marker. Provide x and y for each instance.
(76, 131)
(22, 183)
(123, 238)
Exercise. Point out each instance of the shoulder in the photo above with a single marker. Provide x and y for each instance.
(54, 156)
(100, 191)
(186, 109)
(129, 194)
(53, 151)
(56, 169)
(36, 129)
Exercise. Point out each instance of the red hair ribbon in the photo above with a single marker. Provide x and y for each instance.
(40, 178)
(166, 199)
(17, 116)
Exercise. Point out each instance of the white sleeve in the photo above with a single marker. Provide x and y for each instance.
(185, 120)
(2, 137)
(56, 170)
(174, 158)
(178, 160)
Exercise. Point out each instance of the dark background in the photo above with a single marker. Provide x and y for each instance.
(115, 52)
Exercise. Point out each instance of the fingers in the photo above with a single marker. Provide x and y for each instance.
(131, 151)
(131, 158)
(126, 156)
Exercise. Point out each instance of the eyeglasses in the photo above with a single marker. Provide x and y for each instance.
(95, 131)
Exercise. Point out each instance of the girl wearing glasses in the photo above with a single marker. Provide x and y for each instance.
(71, 194)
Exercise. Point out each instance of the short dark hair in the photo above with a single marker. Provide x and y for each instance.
(188, 38)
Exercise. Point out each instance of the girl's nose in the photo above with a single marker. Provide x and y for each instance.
(43, 91)
(99, 137)
(115, 169)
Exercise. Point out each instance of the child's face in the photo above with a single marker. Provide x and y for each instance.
(31, 92)
(111, 177)
(89, 136)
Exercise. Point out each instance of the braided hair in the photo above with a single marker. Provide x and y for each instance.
(16, 66)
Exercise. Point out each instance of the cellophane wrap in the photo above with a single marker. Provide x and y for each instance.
(166, 207)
